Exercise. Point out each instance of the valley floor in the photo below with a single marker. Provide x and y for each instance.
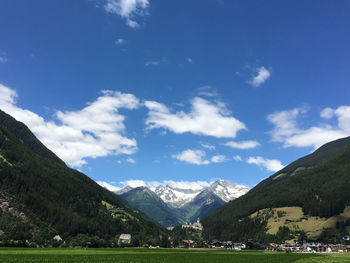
(138, 255)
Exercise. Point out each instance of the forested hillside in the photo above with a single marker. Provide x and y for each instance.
(41, 197)
(321, 189)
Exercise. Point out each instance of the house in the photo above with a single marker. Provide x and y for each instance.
(57, 238)
(346, 238)
(124, 239)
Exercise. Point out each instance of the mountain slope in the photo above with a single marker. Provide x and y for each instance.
(320, 155)
(204, 203)
(319, 191)
(148, 202)
(41, 197)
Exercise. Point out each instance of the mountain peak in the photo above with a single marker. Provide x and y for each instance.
(227, 190)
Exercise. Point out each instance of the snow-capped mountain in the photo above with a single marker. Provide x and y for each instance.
(123, 190)
(174, 205)
(227, 190)
(175, 197)
(179, 197)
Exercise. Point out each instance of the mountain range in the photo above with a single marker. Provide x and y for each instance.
(171, 206)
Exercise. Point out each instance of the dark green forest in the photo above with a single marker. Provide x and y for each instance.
(41, 197)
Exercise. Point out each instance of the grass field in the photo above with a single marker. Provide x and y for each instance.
(12, 255)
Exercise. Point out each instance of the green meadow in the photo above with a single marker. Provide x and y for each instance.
(17, 255)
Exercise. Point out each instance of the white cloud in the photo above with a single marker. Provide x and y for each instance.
(127, 9)
(108, 186)
(327, 113)
(195, 185)
(152, 63)
(120, 41)
(131, 160)
(218, 158)
(189, 60)
(242, 144)
(205, 118)
(207, 91)
(95, 131)
(192, 156)
(237, 158)
(134, 183)
(262, 75)
(3, 60)
(207, 146)
(268, 164)
(288, 132)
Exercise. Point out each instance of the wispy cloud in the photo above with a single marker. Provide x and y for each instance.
(94, 131)
(207, 146)
(242, 144)
(237, 158)
(120, 41)
(288, 132)
(128, 9)
(205, 118)
(207, 91)
(131, 160)
(189, 60)
(262, 74)
(272, 165)
(3, 59)
(218, 158)
(152, 63)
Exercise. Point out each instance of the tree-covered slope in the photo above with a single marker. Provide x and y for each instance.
(321, 191)
(148, 202)
(41, 197)
(322, 154)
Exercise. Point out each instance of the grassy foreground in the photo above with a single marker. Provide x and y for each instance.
(15, 255)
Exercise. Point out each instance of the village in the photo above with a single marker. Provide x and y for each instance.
(296, 246)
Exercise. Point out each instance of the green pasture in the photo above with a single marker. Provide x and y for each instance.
(17, 255)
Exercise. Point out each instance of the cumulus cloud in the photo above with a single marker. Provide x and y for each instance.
(108, 186)
(242, 144)
(192, 156)
(261, 76)
(128, 9)
(288, 132)
(95, 131)
(205, 118)
(218, 159)
(198, 157)
(269, 164)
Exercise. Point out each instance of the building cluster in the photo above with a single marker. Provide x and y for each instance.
(311, 247)
(213, 244)
(196, 225)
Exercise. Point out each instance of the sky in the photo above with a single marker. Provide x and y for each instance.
(149, 92)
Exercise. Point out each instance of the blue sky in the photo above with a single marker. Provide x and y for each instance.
(177, 91)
